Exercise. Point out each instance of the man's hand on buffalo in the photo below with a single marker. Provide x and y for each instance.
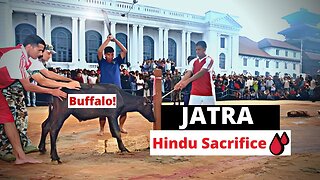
(58, 93)
(73, 85)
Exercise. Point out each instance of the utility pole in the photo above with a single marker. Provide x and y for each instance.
(301, 49)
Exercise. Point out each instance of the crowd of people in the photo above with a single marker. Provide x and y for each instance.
(136, 82)
(262, 87)
(235, 86)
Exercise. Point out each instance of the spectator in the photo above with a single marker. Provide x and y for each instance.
(140, 83)
(85, 76)
(79, 77)
(147, 87)
(31, 96)
(133, 84)
(92, 78)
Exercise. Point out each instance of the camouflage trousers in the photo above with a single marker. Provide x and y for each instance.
(14, 95)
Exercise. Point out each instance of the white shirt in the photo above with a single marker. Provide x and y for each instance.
(249, 82)
(208, 65)
(312, 84)
(168, 66)
(85, 78)
(92, 79)
(140, 81)
(286, 84)
(36, 65)
(269, 83)
(16, 61)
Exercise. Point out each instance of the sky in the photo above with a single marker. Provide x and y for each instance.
(259, 18)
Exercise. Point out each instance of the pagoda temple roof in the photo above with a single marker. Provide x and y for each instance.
(302, 17)
(300, 29)
(313, 56)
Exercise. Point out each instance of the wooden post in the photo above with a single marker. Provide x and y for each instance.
(157, 98)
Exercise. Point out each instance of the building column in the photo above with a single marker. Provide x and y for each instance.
(47, 32)
(160, 50)
(229, 52)
(235, 54)
(82, 42)
(39, 24)
(212, 40)
(165, 43)
(6, 30)
(47, 28)
(75, 50)
(134, 56)
(183, 49)
(140, 57)
(188, 48)
(10, 30)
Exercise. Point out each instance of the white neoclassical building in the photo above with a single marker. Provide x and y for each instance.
(268, 57)
(76, 28)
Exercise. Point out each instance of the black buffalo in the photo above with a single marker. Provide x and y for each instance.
(59, 112)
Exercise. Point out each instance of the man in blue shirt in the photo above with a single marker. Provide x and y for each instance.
(110, 72)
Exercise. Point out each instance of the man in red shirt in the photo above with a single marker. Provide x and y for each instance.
(14, 62)
(199, 72)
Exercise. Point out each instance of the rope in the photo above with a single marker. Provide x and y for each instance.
(167, 93)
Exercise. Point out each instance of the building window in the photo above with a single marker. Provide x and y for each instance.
(244, 72)
(193, 49)
(123, 39)
(267, 64)
(285, 65)
(245, 61)
(148, 48)
(267, 74)
(277, 52)
(294, 66)
(62, 42)
(222, 61)
(172, 50)
(93, 42)
(22, 31)
(222, 42)
(277, 64)
(286, 53)
(294, 54)
(257, 63)
(256, 73)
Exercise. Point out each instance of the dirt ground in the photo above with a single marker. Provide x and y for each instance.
(78, 149)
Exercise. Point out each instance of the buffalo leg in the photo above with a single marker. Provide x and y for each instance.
(45, 130)
(54, 131)
(115, 132)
